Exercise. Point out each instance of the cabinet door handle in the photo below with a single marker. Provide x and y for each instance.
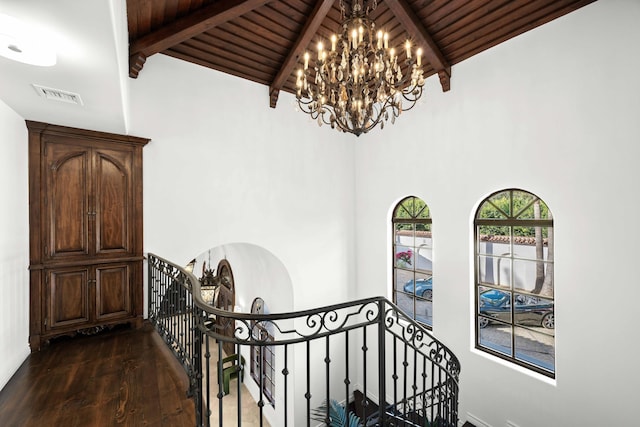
(91, 281)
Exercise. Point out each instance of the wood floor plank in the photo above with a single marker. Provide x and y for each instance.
(117, 378)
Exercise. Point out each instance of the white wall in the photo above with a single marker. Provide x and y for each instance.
(14, 244)
(223, 167)
(256, 273)
(555, 112)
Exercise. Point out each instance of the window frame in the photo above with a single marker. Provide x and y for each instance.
(262, 357)
(414, 219)
(512, 290)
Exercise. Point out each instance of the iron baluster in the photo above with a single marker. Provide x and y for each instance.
(184, 320)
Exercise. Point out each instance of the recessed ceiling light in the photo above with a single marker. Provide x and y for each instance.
(24, 44)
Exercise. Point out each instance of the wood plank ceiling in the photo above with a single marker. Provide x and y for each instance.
(262, 40)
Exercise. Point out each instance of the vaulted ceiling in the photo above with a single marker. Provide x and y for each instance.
(262, 40)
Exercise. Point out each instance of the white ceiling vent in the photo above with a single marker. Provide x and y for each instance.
(58, 94)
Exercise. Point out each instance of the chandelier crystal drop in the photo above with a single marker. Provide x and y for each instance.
(358, 81)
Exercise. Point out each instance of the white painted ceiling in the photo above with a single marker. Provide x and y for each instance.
(91, 43)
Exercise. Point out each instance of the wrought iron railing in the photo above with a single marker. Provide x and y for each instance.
(408, 378)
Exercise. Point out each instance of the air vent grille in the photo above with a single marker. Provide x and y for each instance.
(58, 95)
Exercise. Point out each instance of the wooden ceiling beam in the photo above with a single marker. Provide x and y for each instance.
(185, 28)
(409, 20)
(308, 31)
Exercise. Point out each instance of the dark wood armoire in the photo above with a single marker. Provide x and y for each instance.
(85, 226)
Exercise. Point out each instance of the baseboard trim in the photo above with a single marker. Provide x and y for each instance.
(475, 421)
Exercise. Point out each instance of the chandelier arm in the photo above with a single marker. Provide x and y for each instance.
(311, 108)
(413, 100)
(359, 82)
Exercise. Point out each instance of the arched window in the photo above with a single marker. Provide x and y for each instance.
(514, 306)
(263, 357)
(412, 255)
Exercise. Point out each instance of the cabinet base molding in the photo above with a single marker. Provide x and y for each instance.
(37, 342)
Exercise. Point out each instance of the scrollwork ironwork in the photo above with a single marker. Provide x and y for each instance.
(184, 320)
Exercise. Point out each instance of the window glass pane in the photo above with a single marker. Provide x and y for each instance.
(495, 305)
(268, 372)
(531, 247)
(423, 286)
(527, 208)
(494, 240)
(533, 276)
(409, 207)
(405, 303)
(498, 206)
(525, 273)
(424, 309)
(545, 213)
(522, 204)
(406, 209)
(494, 336)
(402, 278)
(494, 271)
(403, 210)
(547, 286)
(268, 358)
(531, 242)
(422, 210)
(403, 234)
(404, 257)
(531, 310)
(424, 297)
(535, 348)
(424, 251)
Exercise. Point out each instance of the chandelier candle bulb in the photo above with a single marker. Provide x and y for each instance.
(360, 83)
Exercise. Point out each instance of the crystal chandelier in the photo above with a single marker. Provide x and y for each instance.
(360, 81)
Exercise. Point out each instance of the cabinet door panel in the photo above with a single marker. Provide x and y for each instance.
(67, 200)
(113, 201)
(113, 291)
(68, 298)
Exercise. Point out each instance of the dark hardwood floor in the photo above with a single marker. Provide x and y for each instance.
(123, 377)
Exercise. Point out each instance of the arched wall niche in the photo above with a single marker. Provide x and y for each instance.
(257, 272)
